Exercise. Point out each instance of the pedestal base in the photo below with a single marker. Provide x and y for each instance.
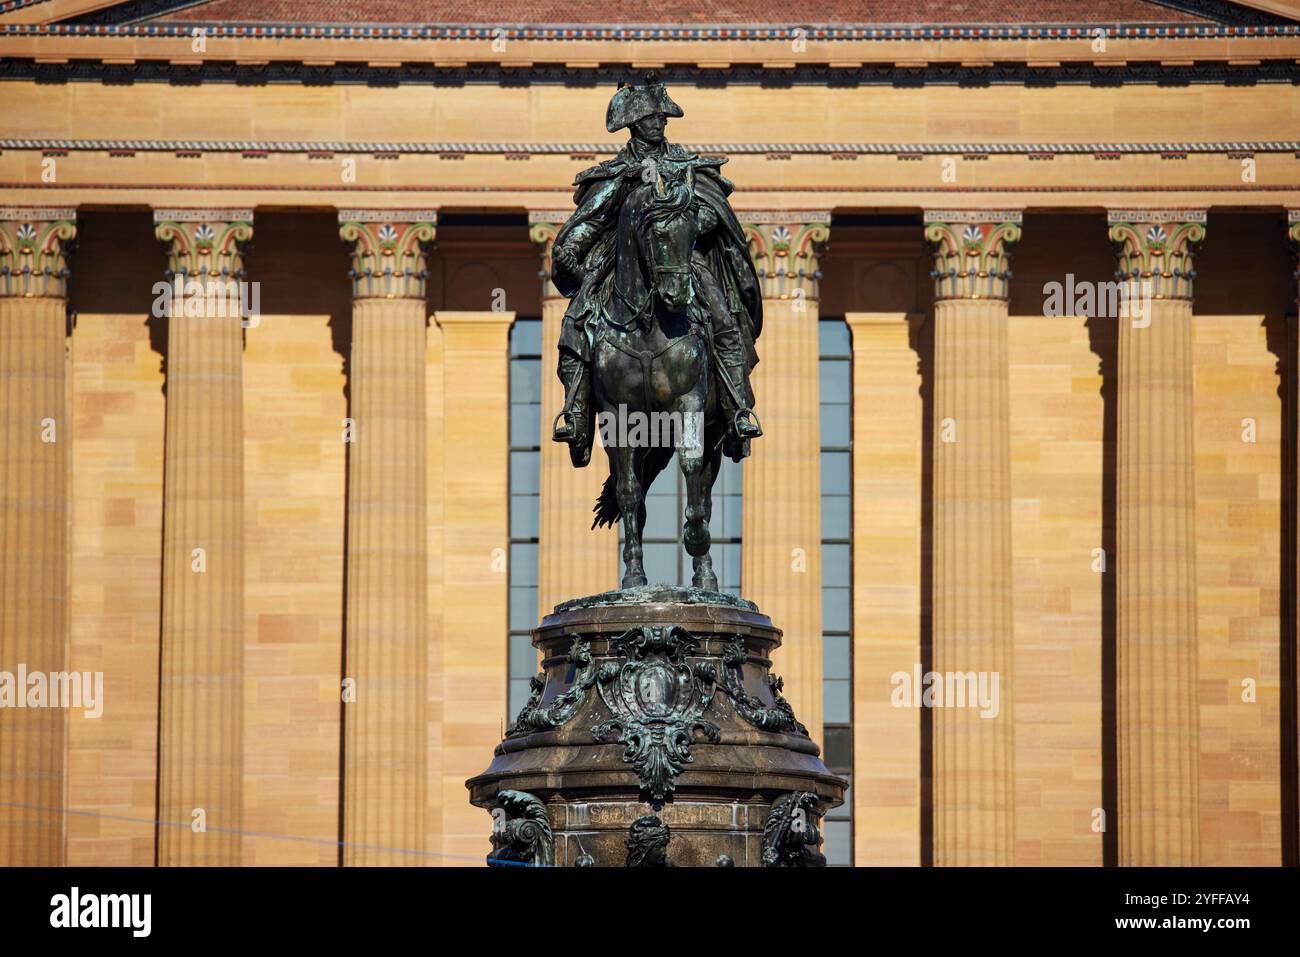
(656, 702)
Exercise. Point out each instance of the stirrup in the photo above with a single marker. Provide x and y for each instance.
(744, 428)
(567, 432)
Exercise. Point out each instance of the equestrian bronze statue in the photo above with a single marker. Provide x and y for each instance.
(665, 309)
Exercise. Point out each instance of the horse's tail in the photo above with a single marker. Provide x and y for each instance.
(648, 464)
(606, 507)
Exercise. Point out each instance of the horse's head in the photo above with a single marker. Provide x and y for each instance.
(666, 231)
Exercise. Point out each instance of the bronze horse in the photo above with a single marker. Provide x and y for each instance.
(651, 355)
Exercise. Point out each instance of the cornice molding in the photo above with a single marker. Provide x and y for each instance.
(652, 32)
(520, 195)
(318, 147)
(271, 65)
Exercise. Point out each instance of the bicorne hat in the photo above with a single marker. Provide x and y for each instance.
(632, 103)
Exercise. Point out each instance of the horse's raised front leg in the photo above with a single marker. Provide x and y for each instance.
(631, 500)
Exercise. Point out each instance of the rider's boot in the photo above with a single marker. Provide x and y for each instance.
(742, 423)
(573, 424)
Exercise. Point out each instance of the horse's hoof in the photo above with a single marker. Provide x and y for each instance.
(707, 582)
(634, 579)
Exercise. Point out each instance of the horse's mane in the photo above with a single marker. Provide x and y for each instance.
(674, 200)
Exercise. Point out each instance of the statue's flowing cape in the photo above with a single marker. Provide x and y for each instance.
(593, 227)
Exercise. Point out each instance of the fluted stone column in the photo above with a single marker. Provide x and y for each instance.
(1156, 562)
(34, 439)
(781, 523)
(572, 558)
(386, 642)
(200, 759)
(1293, 231)
(974, 757)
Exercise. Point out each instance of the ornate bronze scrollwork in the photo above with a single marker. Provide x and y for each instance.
(657, 701)
(790, 833)
(778, 717)
(533, 717)
(521, 832)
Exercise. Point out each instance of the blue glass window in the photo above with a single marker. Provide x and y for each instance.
(525, 483)
(836, 383)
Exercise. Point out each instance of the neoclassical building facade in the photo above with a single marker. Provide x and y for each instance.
(277, 349)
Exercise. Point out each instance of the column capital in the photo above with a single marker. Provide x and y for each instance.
(786, 246)
(205, 243)
(1157, 247)
(34, 250)
(388, 251)
(971, 251)
(543, 224)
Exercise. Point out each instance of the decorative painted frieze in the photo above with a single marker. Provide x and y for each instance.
(388, 251)
(34, 244)
(543, 224)
(971, 251)
(786, 247)
(1156, 248)
(204, 244)
(1243, 22)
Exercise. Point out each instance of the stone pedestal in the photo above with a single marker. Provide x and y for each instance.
(656, 701)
